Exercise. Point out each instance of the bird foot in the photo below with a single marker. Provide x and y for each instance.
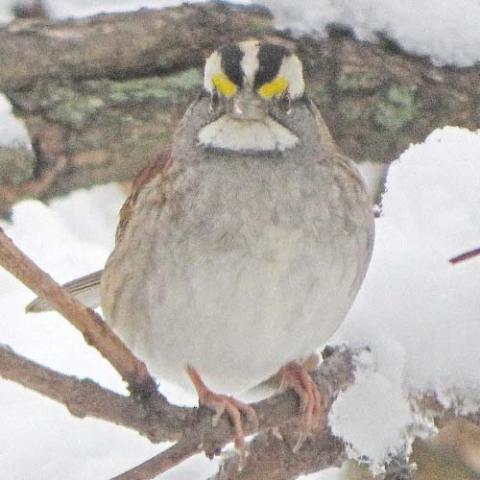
(295, 376)
(223, 403)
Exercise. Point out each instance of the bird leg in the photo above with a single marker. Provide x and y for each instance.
(311, 362)
(223, 403)
(295, 376)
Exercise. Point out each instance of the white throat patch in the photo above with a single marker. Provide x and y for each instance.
(265, 135)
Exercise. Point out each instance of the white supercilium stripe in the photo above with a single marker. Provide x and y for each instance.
(249, 63)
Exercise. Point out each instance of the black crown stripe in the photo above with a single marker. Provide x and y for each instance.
(231, 56)
(270, 58)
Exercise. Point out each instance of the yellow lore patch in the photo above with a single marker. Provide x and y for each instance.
(274, 88)
(224, 85)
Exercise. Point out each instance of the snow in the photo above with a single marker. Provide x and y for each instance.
(12, 130)
(446, 31)
(418, 314)
(82, 8)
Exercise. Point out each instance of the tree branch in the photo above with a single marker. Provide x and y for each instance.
(109, 105)
(85, 398)
(95, 331)
(465, 256)
(102, 46)
(191, 427)
(160, 422)
(271, 452)
(166, 460)
(273, 456)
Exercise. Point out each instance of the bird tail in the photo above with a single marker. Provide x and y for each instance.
(86, 289)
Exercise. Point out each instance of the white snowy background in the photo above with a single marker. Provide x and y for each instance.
(419, 315)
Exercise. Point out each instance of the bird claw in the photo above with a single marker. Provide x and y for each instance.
(221, 404)
(312, 408)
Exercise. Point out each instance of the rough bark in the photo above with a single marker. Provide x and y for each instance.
(101, 96)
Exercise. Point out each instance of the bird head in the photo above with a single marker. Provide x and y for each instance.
(252, 88)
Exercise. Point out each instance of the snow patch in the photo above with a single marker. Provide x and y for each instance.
(445, 31)
(418, 314)
(13, 133)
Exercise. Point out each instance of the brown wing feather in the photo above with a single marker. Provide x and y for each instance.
(86, 288)
(157, 167)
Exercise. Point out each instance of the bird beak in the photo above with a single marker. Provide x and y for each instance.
(247, 106)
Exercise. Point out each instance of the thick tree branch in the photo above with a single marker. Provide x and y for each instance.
(272, 458)
(271, 455)
(95, 331)
(108, 105)
(121, 44)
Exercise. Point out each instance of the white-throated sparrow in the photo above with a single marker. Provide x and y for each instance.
(241, 250)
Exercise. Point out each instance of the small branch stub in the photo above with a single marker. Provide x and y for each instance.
(465, 256)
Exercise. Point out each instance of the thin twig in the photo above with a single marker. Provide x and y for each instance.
(465, 256)
(85, 398)
(166, 460)
(96, 332)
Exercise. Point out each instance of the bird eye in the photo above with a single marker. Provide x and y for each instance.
(214, 100)
(286, 103)
(275, 88)
(224, 85)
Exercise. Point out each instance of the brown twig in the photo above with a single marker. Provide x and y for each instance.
(465, 256)
(186, 447)
(94, 329)
(267, 454)
(85, 398)
(334, 375)
(33, 188)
